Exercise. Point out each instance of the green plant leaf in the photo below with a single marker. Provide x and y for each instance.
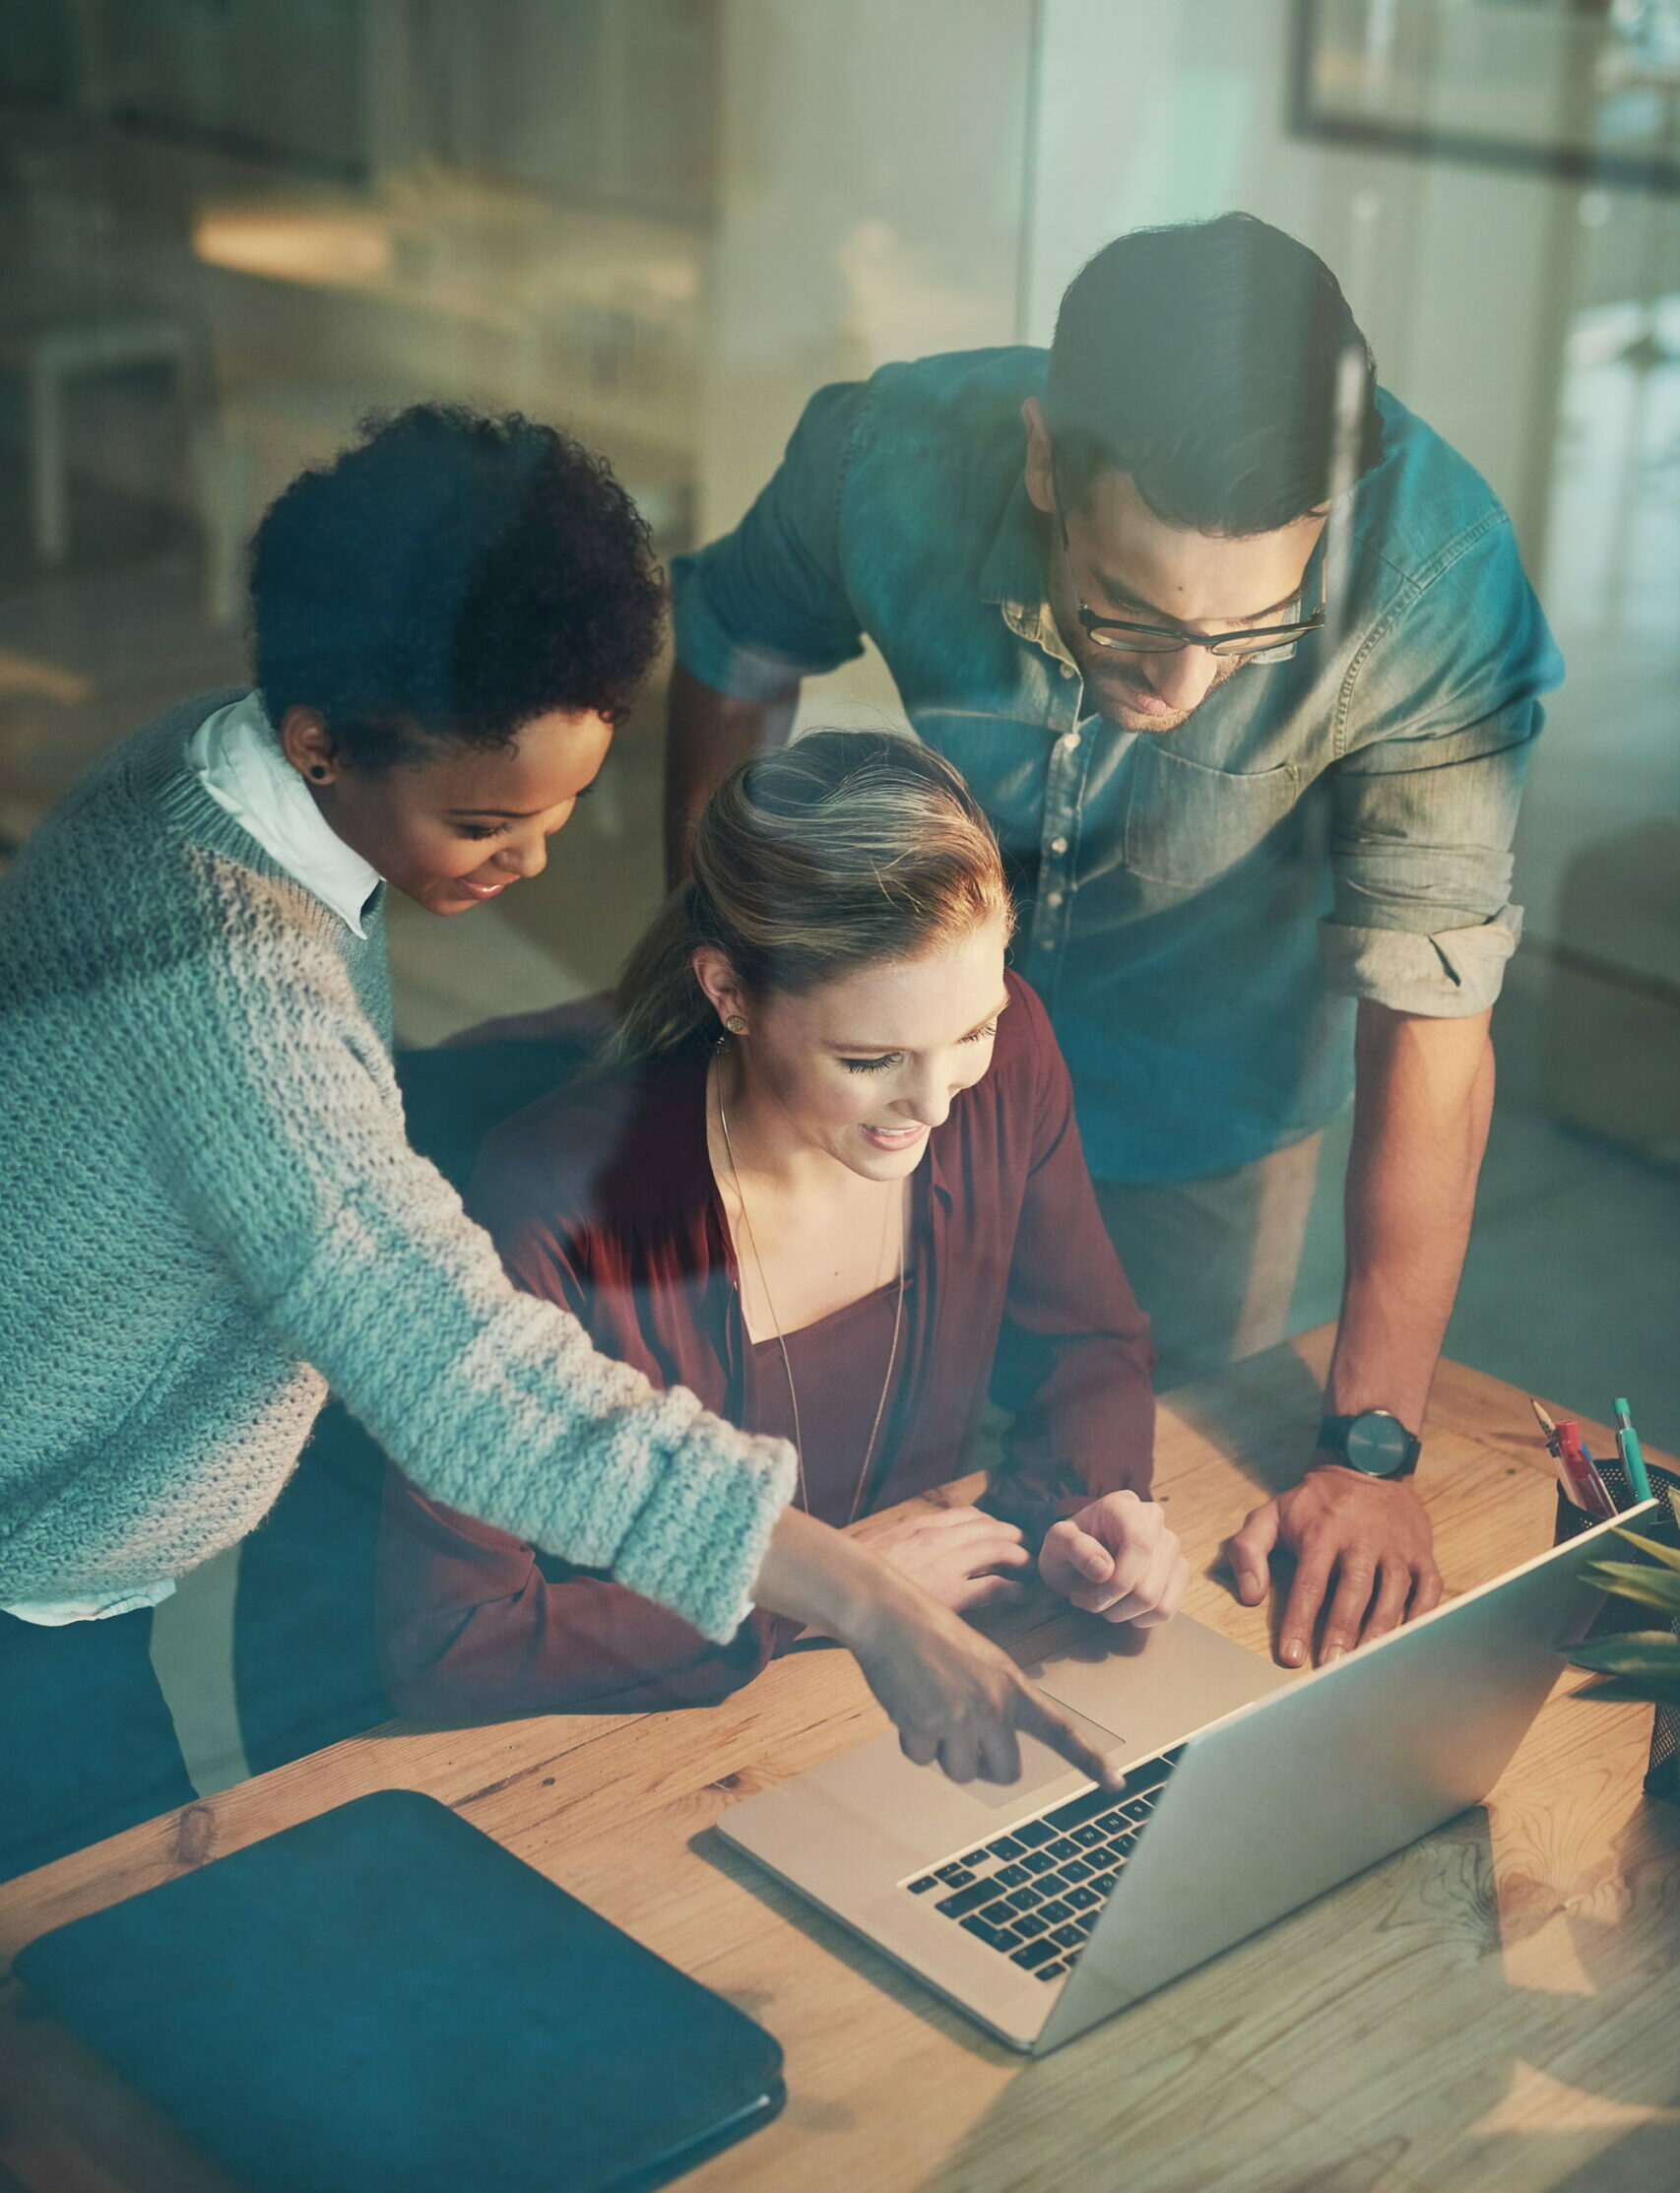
(1629, 1580)
(1668, 1556)
(1634, 1690)
(1642, 1653)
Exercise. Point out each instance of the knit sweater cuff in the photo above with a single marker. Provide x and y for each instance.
(700, 1538)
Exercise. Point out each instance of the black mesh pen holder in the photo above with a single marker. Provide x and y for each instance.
(1662, 1775)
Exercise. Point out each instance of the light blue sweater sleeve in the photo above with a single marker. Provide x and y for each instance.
(279, 1126)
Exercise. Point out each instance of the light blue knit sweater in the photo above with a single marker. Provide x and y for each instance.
(211, 1212)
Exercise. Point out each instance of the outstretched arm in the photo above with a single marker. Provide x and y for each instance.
(473, 1627)
(1439, 719)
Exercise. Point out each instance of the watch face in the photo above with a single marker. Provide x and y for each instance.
(1377, 1444)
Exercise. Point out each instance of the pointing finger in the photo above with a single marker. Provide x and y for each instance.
(1035, 1713)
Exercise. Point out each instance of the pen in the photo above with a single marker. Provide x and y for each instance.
(1554, 1447)
(1586, 1488)
(1628, 1446)
(1576, 1472)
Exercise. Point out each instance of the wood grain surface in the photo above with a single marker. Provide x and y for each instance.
(1496, 2008)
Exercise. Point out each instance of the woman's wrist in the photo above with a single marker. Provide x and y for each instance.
(826, 1580)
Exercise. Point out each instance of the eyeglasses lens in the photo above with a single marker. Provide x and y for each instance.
(1125, 639)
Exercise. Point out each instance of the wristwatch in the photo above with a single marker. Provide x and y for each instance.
(1375, 1441)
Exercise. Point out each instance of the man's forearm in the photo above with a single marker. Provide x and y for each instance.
(706, 733)
(1425, 1094)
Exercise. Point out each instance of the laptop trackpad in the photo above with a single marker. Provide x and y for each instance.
(1147, 1688)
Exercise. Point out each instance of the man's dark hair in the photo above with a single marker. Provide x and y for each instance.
(450, 577)
(1206, 361)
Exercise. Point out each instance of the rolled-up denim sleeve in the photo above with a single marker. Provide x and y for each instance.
(1437, 721)
(767, 605)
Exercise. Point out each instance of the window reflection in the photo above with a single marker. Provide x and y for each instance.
(228, 231)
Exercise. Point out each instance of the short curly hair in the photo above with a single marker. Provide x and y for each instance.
(449, 577)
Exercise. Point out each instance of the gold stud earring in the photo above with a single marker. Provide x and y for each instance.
(736, 1025)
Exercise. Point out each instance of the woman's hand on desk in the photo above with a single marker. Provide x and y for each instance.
(1116, 1558)
(953, 1553)
(956, 1699)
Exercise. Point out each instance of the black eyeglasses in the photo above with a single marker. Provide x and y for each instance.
(1122, 637)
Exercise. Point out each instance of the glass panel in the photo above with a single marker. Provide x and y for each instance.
(230, 229)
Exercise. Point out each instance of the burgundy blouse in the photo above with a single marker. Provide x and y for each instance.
(601, 1197)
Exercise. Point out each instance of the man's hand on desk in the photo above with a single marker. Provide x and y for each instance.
(1363, 1553)
(1116, 1558)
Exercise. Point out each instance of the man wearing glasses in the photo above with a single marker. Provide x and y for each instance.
(1240, 658)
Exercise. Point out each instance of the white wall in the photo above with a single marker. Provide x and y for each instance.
(871, 207)
(1152, 113)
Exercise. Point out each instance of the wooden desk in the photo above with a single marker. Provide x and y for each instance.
(1498, 2007)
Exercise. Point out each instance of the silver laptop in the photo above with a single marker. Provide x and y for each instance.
(1044, 1907)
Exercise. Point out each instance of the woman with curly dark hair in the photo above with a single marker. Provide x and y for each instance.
(214, 1211)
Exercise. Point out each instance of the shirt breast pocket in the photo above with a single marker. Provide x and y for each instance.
(1187, 824)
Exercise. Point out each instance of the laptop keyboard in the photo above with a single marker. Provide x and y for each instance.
(1035, 1893)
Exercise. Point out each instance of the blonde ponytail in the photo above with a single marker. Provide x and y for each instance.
(660, 1004)
(848, 849)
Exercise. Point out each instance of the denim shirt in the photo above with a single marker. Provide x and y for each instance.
(1200, 910)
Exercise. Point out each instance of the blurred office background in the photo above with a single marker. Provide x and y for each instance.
(227, 228)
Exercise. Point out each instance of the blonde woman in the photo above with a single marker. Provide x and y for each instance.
(832, 1184)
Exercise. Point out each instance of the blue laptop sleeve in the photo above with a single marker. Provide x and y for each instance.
(384, 2000)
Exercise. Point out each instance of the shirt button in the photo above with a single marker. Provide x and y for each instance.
(1069, 742)
(1059, 845)
(1053, 899)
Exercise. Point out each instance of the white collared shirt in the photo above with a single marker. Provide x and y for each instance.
(236, 758)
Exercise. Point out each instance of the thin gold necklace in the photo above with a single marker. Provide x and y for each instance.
(776, 1323)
